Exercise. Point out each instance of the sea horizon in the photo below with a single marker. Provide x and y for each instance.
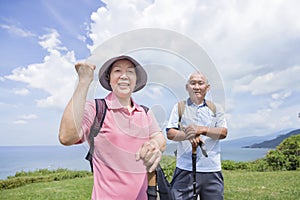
(31, 158)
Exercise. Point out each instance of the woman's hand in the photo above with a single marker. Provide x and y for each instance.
(85, 72)
(150, 154)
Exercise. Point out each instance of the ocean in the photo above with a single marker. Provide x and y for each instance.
(31, 158)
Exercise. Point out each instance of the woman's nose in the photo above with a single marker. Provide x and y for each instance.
(123, 76)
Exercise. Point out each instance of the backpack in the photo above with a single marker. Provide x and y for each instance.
(162, 184)
(181, 106)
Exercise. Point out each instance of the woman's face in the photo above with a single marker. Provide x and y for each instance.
(123, 78)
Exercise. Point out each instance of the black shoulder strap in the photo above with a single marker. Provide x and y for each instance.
(145, 108)
(97, 124)
(101, 108)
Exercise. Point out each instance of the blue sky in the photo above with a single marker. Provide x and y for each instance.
(254, 45)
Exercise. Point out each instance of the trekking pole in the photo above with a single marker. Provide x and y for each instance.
(194, 157)
(152, 182)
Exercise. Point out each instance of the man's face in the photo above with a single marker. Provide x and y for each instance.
(197, 87)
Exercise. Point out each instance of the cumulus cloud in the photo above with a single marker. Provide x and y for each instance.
(273, 82)
(253, 44)
(54, 75)
(51, 41)
(239, 35)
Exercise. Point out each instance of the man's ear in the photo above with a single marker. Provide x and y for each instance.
(186, 87)
(207, 87)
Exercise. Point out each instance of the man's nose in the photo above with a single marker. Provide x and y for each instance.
(196, 86)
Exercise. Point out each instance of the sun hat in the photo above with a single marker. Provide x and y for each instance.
(104, 71)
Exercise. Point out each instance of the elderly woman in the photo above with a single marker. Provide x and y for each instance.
(130, 142)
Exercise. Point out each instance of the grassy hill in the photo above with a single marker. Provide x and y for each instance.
(242, 185)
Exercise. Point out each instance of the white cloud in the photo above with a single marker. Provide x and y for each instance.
(56, 75)
(29, 116)
(282, 95)
(21, 92)
(234, 32)
(51, 42)
(154, 93)
(13, 29)
(251, 42)
(20, 122)
(273, 82)
(81, 38)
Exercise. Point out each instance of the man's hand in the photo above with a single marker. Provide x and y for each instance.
(150, 154)
(190, 132)
(196, 141)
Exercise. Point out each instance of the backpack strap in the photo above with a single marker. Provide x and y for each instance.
(101, 108)
(211, 106)
(181, 106)
(97, 124)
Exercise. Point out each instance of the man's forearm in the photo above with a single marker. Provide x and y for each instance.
(212, 132)
(176, 135)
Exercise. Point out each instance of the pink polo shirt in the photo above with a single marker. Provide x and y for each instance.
(117, 175)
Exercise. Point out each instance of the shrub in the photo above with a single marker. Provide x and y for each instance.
(168, 164)
(286, 156)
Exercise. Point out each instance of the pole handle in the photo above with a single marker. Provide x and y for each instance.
(194, 149)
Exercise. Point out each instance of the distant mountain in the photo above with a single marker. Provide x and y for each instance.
(274, 142)
(250, 140)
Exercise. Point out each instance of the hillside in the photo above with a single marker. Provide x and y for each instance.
(250, 140)
(272, 144)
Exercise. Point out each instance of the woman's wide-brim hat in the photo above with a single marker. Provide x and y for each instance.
(141, 74)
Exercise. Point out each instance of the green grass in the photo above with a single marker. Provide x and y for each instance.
(245, 185)
(63, 184)
(242, 185)
(41, 175)
(77, 188)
